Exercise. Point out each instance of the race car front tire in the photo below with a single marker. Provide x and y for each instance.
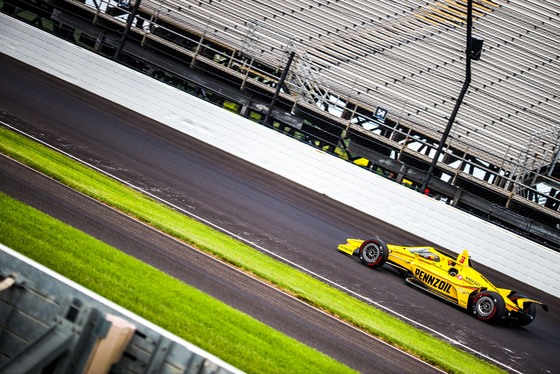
(489, 306)
(374, 252)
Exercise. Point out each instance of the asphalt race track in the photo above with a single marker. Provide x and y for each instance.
(297, 224)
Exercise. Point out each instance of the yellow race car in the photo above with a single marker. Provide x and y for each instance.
(447, 277)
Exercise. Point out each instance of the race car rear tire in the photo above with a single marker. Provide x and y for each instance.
(530, 309)
(374, 252)
(489, 306)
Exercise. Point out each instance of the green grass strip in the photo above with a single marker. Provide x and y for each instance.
(212, 325)
(303, 286)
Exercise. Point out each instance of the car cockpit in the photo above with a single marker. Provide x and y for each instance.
(425, 253)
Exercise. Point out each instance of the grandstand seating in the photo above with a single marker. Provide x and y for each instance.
(352, 57)
(407, 57)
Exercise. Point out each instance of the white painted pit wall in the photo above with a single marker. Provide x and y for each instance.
(448, 227)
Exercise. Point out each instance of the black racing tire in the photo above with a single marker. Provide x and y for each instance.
(489, 306)
(374, 253)
(531, 310)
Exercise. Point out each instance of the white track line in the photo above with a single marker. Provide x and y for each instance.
(254, 245)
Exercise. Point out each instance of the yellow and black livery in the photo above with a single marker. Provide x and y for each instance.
(448, 277)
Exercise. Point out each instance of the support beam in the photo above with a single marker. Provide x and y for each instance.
(469, 54)
(126, 31)
(278, 88)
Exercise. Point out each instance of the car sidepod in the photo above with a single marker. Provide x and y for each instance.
(434, 279)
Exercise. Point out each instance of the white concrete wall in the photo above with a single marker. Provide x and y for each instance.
(444, 225)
